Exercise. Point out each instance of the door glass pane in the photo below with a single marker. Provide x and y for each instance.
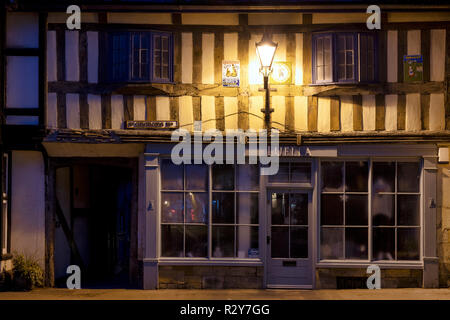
(223, 241)
(196, 207)
(356, 207)
(280, 242)
(332, 176)
(356, 176)
(299, 242)
(331, 246)
(383, 207)
(408, 177)
(222, 207)
(408, 243)
(171, 241)
(247, 241)
(299, 208)
(172, 207)
(383, 243)
(223, 177)
(280, 208)
(196, 241)
(300, 172)
(171, 175)
(408, 208)
(383, 177)
(332, 209)
(356, 243)
(247, 208)
(248, 177)
(196, 177)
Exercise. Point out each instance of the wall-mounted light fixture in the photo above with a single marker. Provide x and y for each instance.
(265, 49)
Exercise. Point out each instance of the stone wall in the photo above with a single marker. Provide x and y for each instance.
(326, 278)
(208, 277)
(443, 224)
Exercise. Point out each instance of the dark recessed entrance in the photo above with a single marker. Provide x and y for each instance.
(95, 224)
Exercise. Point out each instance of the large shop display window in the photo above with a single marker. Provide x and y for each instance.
(209, 211)
(370, 210)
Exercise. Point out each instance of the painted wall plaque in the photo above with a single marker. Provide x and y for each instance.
(142, 124)
(281, 73)
(231, 73)
(412, 68)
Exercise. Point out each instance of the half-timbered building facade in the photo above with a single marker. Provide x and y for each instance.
(363, 178)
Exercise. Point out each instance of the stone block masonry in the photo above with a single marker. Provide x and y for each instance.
(210, 277)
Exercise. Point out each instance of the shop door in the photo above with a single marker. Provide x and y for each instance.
(289, 260)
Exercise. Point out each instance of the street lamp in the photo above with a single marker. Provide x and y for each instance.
(265, 50)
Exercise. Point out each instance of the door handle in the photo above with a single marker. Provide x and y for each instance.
(268, 239)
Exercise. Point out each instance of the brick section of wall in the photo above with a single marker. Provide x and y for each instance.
(326, 278)
(206, 277)
(443, 224)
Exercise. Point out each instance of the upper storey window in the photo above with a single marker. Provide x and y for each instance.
(344, 58)
(140, 56)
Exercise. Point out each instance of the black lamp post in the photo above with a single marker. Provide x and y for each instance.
(265, 50)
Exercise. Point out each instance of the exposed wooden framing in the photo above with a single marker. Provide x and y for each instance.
(106, 111)
(307, 19)
(50, 198)
(312, 113)
(176, 18)
(61, 55)
(447, 76)
(42, 68)
(151, 108)
(425, 51)
(61, 110)
(382, 56)
(102, 57)
(307, 58)
(357, 113)
(308, 138)
(84, 111)
(289, 114)
(177, 57)
(218, 56)
(380, 112)
(243, 51)
(402, 49)
(335, 114)
(2, 67)
(197, 57)
(425, 111)
(220, 113)
(128, 107)
(22, 111)
(23, 52)
(174, 112)
(401, 112)
(82, 47)
(214, 90)
(197, 108)
(379, 88)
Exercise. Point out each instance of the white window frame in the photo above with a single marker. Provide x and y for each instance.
(209, 258)
(364, 262)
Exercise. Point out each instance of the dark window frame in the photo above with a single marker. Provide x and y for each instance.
(128, 74)
(334, 57)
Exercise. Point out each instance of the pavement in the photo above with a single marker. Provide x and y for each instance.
(228, 294)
